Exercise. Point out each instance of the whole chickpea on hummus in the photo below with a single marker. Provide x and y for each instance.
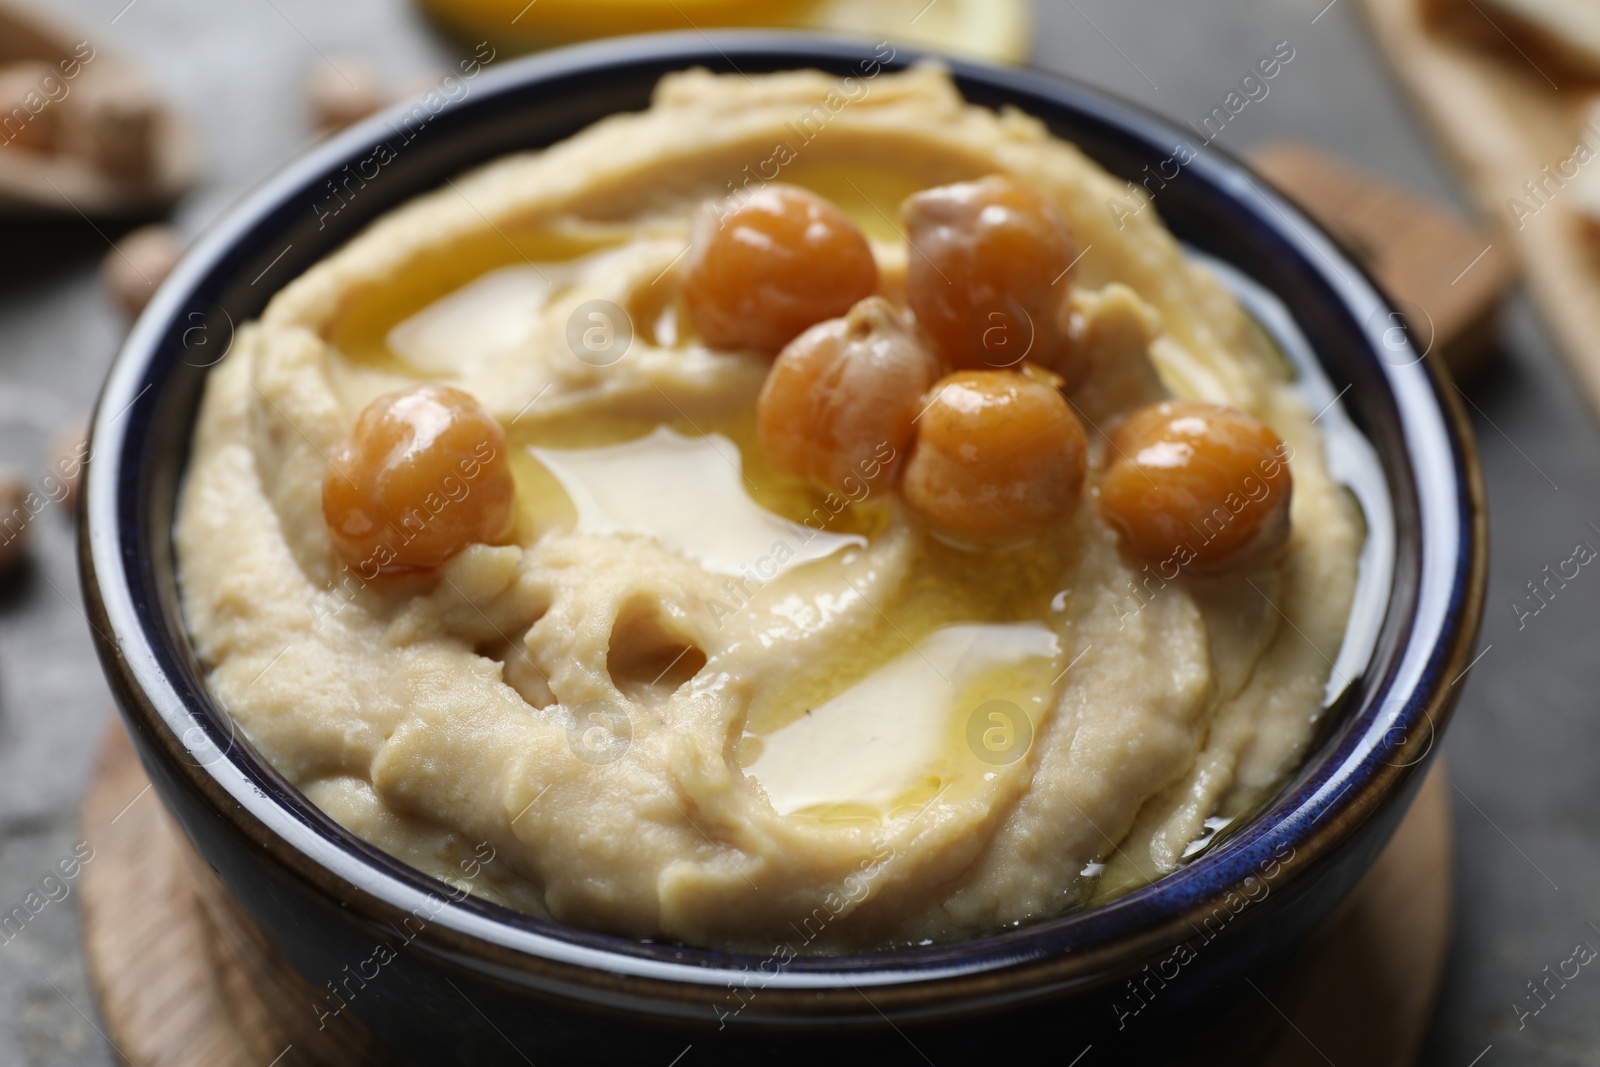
(755, 516)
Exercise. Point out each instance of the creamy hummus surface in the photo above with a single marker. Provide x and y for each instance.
(691, 699)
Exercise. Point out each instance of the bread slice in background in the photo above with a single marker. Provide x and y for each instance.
(1561, 38)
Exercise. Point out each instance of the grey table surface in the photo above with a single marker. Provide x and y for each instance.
(1523, 745)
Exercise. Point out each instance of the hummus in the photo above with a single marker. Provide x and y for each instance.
(689, 699)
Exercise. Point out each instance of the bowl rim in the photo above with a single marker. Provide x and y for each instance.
(1337, 794)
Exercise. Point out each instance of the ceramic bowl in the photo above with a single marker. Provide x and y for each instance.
(480, 984)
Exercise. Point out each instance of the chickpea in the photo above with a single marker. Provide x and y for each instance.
(984, 275)
(424, 473)
(343, 95)
(13, 539)
(762, 270)
(840, 398)
(22, 83)
(139, 263)
(999, 457)
(1196, 484)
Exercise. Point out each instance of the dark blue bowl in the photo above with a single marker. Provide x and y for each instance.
(482, 984)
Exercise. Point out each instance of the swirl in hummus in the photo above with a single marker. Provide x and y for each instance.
(695, 675)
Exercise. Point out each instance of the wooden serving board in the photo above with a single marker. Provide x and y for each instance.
(184, 979)
(1411, 246)
(1504, 111)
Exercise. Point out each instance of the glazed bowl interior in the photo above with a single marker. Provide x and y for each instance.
(1421, 624)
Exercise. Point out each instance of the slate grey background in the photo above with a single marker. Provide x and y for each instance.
(1524, 744)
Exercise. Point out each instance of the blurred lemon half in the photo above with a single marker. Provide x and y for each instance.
(995, 30)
